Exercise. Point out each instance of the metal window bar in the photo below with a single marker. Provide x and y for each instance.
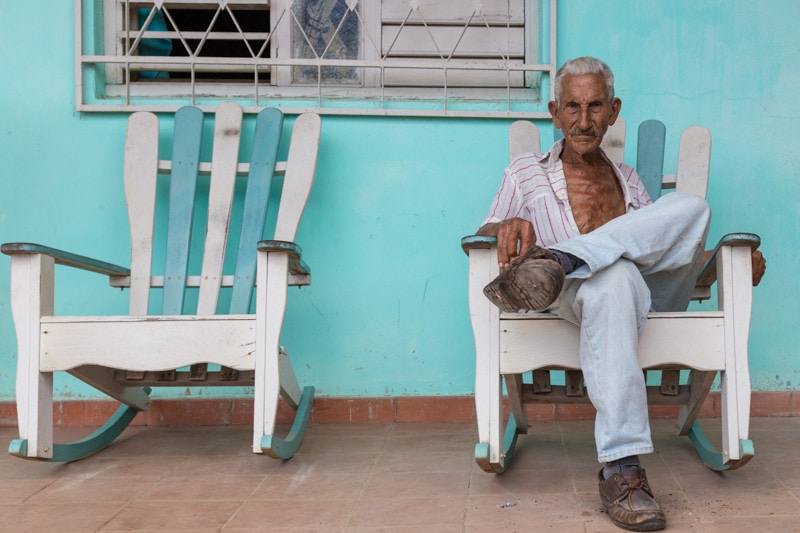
(506, 101)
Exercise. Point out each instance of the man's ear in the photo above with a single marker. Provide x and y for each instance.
(616, 106)
(552, 106)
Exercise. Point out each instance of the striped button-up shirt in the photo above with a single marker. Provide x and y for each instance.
(534, 188)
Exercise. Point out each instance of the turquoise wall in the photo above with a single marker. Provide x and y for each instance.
(387, 312)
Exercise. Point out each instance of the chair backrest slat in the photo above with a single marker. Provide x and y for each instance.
(694, 161)
(188, 138)
(301, 167)
(614, 141)
(225, 157)
(650, 156)
(269, 124)
(140, 175)
(523, 137)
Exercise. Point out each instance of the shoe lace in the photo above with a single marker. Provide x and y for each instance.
(639, 483)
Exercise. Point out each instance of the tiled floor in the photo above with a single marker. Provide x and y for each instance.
(398, 477)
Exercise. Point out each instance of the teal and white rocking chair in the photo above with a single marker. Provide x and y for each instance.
(126, 356)
(522, 350)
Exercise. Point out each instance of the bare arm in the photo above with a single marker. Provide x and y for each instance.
(515, 236)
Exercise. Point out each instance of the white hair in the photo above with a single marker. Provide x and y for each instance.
(584, 65)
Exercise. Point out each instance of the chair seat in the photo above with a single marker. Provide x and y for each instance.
(685, 351)
(690, 340)
(148, 342)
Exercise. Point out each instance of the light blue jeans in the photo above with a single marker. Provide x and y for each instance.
(645, 260)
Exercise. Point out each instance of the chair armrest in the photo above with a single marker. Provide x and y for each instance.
(708, 272)
(478, 242)
(66, 258)
(296, 265)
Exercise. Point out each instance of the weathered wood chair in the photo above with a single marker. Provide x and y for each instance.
(124, 356)
(704, 342)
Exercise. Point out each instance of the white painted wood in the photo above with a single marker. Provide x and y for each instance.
(707, 342)
(289, 387)
(694, 161)
(485, 319)
(140, 173)
(147, 343)
(699, 386)
(614, 141)
(227, 134)
(102, 378)
(453, 11)
(734, 272)
(452, 41)
(271, 300)
(458, 74)
(523, 137)
(32, 286)
(691, 340)
(194, 281)
(301, 166)
(92, 348)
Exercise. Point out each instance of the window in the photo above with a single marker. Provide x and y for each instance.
(388, 57)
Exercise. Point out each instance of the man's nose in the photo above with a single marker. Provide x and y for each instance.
(583, 119)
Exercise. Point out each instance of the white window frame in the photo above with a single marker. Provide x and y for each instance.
(101, 84)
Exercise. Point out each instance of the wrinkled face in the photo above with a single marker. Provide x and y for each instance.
(584, 113)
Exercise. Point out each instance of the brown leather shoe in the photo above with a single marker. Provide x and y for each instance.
(532, 282)
(629, 501)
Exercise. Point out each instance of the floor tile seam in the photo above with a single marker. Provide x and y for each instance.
(238, 509)
(379, 453)
(578, 500)
(119, 511)
(244, 501)
(585, 521)
(465, 508)
(39, 490)
(138, 497)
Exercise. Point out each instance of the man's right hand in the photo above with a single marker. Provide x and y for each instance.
(515, 236)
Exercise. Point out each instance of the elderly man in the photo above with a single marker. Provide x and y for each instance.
(579, 236)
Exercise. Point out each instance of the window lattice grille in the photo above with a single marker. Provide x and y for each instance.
(404, 57)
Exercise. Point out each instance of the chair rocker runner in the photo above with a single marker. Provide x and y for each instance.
(511, 345)
(125, 356)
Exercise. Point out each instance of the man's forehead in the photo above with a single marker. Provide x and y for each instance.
(583, 86)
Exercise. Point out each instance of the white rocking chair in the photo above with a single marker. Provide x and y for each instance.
(705, 343)
(124, 356)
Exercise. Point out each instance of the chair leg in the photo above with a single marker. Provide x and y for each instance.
(285, 448)
(72, 451)
(32, 292)
(713, 458)
(483, 452)
(699, 385)
(514, 389)
(734, 286)
(275, 377)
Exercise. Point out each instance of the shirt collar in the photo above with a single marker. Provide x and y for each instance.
(554, 154)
